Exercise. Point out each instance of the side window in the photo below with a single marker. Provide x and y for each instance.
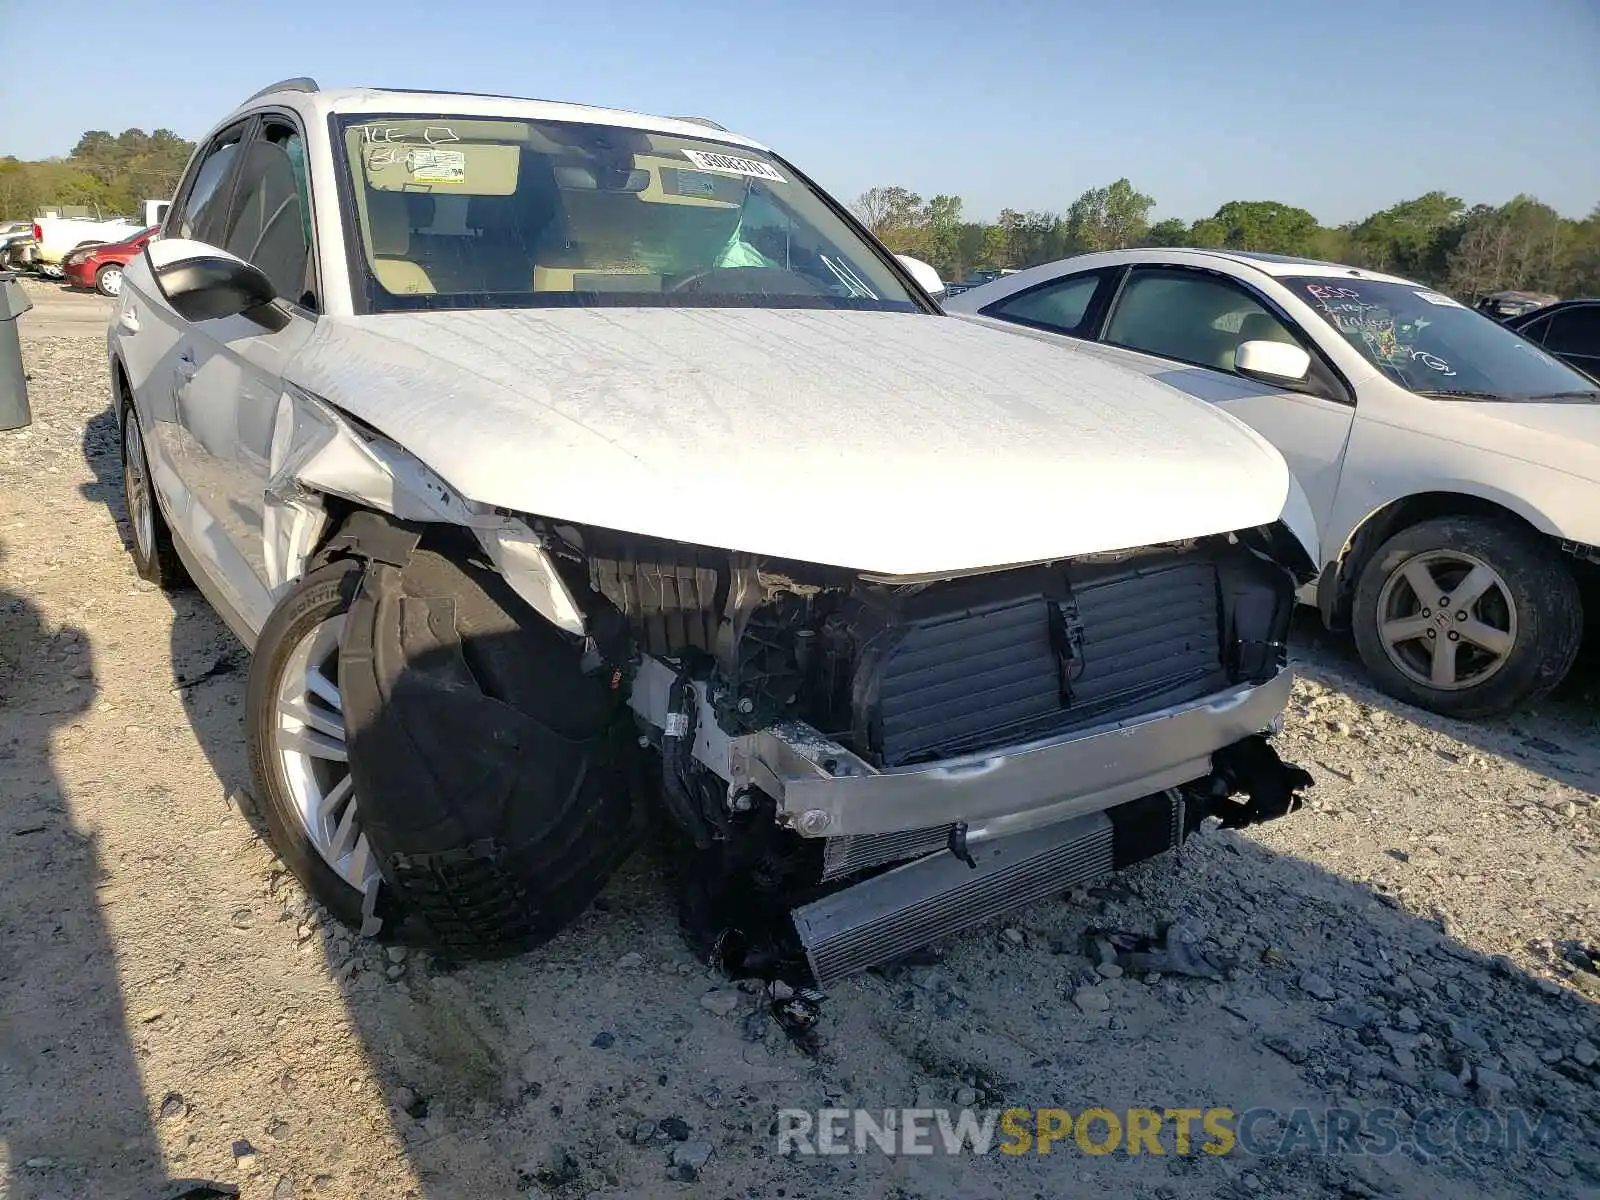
(199, 214)
(1534, 331)
(1059, 306)
(271, 221)
(1574, 331)
(1194, 318)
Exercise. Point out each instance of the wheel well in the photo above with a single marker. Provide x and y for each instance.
(121, 392)
(119, 380)
(1390, 520)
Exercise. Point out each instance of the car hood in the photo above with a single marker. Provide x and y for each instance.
(887, 442)
(1563, 437)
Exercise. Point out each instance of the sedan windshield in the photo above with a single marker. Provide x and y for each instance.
(461, 212)
(1427, 342)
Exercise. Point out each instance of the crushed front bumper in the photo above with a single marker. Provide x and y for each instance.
(822, 790)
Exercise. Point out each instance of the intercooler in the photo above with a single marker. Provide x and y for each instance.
(901, 910)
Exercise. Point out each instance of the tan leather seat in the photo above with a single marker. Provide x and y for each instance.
(389, 232)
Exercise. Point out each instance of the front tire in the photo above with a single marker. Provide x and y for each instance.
(108, 280)
(150, 541)
(495, 773)
(294, 726)
(1467, 616)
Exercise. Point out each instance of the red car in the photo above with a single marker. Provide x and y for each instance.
(100, 266)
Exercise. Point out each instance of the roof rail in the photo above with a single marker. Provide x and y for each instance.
(706, 121)
(300, 83)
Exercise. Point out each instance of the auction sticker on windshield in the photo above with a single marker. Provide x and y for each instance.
(437, 166)
(1436, 298)
(732, 164)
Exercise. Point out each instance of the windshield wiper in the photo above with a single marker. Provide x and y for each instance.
(1580, 394)
(1455, 395)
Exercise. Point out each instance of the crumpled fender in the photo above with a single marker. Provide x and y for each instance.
(319, 451)
(462, 791)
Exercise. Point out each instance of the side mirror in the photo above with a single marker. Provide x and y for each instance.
(1272, 362)
(203, 283)
(924, 274)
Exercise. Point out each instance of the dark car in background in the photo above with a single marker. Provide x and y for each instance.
(100, 266)
(976, 279)
(1504, 306)
(1570, 330)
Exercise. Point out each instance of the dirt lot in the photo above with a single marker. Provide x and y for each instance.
(172, 1008)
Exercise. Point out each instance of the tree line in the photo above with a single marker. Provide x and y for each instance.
(109, 174)
(1436, 238)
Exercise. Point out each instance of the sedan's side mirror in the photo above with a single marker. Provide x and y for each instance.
(923, 273)
(203, 283)
(1272, 362)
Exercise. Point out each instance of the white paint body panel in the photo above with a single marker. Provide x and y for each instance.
(1540, 461)
(895, 443)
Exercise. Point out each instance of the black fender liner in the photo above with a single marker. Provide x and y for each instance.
(493, 774)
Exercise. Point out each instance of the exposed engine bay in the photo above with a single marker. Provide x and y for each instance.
(886, 676)
(910, 672)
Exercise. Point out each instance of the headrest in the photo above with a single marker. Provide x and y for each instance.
(420, 206)
(1259, 327)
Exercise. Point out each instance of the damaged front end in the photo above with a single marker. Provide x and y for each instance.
(861, 764)
(864, 765)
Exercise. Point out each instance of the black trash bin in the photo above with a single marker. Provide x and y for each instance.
(14, 412)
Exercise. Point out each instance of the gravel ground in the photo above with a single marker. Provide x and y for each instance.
(1415, 943)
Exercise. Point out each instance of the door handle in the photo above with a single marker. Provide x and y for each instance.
(186, 365)
(128, 318)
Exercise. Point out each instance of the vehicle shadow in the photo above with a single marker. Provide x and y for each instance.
(1559, 737)
(74, 1120)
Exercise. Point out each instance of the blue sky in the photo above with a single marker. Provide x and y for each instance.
(1339, 106)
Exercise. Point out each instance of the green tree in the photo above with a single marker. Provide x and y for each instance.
(1583, 277)
(1409, 238)
(1109, 218)
(1522, 244)
(942, 218)
(1172, 231)
(995, 250)
(108, 174)
(1031, 238)
(1259, 225)
(884, 209)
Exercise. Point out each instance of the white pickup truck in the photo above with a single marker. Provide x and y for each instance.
(55, 237)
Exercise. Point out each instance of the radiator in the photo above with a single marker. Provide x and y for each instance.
(1142, 639)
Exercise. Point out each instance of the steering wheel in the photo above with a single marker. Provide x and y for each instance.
(746, 281)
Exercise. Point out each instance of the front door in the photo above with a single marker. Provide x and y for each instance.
(1183, 327)
(236, 364)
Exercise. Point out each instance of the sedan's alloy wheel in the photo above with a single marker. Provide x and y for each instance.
(1447, 619)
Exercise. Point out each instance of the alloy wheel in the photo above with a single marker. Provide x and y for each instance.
(309, 740)
(1447, 620)
(136, 487)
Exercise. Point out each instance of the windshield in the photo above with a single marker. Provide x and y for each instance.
(1431, 344)
(461, 212)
